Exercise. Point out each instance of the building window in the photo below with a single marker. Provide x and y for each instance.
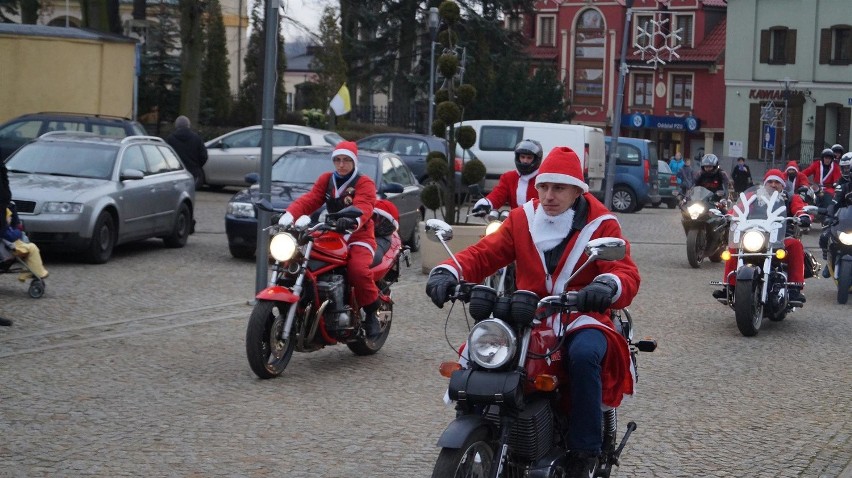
(546, 30)
(835, 45)
(684, 24)
(589, 58)
(681, 91)
(514, 23)
(778, 46)
(643, 90)
(642, 23)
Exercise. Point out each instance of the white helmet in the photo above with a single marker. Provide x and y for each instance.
(846, 165)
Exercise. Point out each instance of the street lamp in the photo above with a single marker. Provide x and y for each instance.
(787, 83)
(434, 21)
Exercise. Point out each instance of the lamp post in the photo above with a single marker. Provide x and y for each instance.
(787, 83)
(434, 21)
(616, 115)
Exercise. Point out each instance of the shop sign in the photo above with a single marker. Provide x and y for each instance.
(670, 123)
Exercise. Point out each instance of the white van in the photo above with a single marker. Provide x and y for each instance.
(496, 140)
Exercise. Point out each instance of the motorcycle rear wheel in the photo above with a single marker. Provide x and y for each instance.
(267, 352)
(748, 309)
(695, 243)
(365, 346)
(844, 281)
(472, 459)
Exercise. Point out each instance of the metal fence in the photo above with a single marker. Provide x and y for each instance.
(412, 117)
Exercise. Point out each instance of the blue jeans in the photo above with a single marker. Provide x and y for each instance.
(586, 349)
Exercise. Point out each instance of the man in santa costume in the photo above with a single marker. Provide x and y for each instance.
(548, 236)
(824, 172)
(774, 180)
(515, 187)
(795, 178)
(343, 187)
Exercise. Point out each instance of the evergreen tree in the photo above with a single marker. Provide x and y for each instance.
(328, 61)
(191, 56)
(250, 99)
(160, 78)
(215, 89)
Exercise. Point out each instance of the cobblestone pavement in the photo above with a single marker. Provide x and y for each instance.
(137, 368)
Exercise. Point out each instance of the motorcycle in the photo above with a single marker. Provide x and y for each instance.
(813, 195)
(840, 253)
(308, 304)
(511, 418)
(705, 222)
(758, 228)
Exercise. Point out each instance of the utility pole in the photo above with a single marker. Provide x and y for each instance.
(616, 114)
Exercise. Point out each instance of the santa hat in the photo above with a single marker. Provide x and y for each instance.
(346, 148)
(774, 174)
(562, 166)
(792, 165)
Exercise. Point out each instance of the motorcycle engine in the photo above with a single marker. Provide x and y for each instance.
(332, 287)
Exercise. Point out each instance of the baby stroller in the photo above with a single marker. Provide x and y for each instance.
(11, 263)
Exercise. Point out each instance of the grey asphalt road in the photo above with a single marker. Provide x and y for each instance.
(137, 368)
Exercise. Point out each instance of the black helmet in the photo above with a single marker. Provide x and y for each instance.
(837, 149)
(846, 166)
(827, 152)
(710, 160)
(532, 147)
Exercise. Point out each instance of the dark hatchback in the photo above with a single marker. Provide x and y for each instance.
(294, 174)
(411, 148)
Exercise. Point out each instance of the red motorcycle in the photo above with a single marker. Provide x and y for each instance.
(308, 304)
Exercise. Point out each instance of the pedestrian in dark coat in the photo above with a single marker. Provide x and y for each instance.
(741, 176)
(190, 147)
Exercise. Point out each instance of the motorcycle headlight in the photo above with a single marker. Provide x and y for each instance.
(283, 246)
(492, 227)
(241, 209)
(695, 210)
(845, 238)
(754, 241)
(491, 343)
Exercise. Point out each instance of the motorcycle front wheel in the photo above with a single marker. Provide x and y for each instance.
(748, 308)
(695, 243)
(366, 346)
(268, 353)
(844, 281)
(473, 459)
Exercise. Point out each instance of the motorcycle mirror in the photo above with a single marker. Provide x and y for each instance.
(811, 209)
(606, 248)
(437, 229)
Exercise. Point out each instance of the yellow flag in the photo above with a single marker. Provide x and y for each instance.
(340, 103)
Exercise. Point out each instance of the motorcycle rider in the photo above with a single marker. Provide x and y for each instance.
(515, 187)
(338, 189)
(712, 177)
(840, 201)
(548, 236)
(824, 173)
(838, 152)
(774, 181)
(795, 178)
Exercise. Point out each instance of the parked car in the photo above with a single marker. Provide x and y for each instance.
(87, 193)
(668, 186)
(411, 148)
(231, 156)
(635, 174)
(295, 173)
(15, 132)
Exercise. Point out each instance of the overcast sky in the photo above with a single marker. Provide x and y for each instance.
(307, 12)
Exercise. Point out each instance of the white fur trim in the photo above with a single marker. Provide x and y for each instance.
(386, 215)
(774, 177)
(523, 185)
(363, 244)
(449, 268)
(559, 178)
(344, 152)
(617, 284)
(582, 239)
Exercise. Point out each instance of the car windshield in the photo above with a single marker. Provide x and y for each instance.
(65, 159)
(306, 167)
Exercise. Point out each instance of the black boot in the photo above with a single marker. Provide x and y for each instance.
(5, 322)
(371, 320)
(723, 292)
(581, 464)
(795, 294)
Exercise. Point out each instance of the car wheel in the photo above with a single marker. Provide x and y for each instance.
(623, 199)
(103, 239)
(180, 229)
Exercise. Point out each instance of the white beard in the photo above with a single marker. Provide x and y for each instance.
(548, 231)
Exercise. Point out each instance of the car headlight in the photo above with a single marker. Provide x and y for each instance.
(54, 207)
(695, 210)
(754, 241)
(283, 246)
(241, 209)
(492, 227)
(491, 343)
(845, 238)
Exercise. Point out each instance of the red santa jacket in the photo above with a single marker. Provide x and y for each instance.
(513, 189)
(514, 242)
(824, 176)
(362, 195)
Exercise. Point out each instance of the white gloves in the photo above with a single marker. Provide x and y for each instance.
(286, 220)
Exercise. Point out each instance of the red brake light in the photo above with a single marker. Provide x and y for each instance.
(459, 164)
(647, 171)
(672, 181)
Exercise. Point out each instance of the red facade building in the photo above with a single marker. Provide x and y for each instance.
(680, 104)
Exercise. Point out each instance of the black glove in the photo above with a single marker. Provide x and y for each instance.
(345, 224)
(440, 285)
(597, 296)
(805, 221)
(480, 211)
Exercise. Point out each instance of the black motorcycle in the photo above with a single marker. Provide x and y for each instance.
(511, 418)
(704, 220)
(840, 252)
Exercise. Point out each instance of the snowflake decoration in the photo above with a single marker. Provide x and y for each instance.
(650, 35)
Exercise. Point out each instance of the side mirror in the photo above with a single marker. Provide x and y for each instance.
(437, 229)
(131, 174)
(393, 188)
(606, 249)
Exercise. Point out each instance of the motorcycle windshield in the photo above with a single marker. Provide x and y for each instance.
(844, 220)
(758, 208)
(700, 193)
